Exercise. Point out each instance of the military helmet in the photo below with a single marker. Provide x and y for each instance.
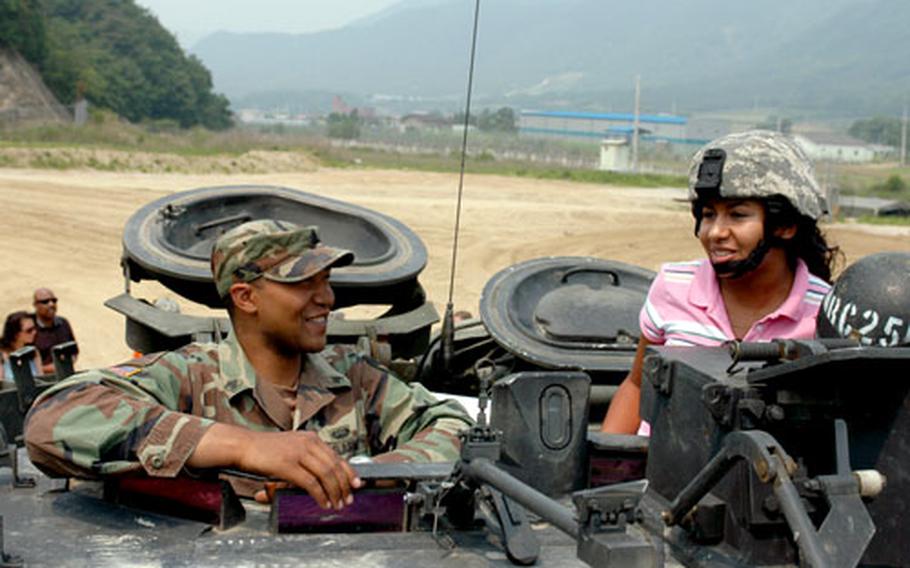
(757, 164)
(870, 302)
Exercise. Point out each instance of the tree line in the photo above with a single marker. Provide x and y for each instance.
(116, 55)
(878, 130)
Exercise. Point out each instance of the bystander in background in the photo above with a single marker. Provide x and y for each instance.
(52, 329)
(18, 332)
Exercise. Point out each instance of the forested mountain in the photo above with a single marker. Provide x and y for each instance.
(699, 54)
(117, 55)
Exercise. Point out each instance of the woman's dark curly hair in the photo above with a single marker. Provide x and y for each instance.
(12, 327)
(808, 243)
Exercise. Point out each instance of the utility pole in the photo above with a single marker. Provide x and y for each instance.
(904, 138)
(636, 123)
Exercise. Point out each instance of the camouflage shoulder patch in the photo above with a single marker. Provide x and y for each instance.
(133, 366)
(124, 371)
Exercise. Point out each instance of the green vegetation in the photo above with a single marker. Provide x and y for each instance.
(22, 28)
(484, 163)
(878, 130)
(886, 220)
(66, 146)
(116, 55)
(887, 181)
(875, 180)
(344, 126)
(503, 119)
(894, 185)
(105, 130)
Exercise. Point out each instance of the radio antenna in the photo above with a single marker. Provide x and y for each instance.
(448, 320)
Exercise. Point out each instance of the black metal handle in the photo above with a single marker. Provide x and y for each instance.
(575, 271)
(238, 219)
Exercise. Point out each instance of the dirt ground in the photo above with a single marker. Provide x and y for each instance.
(62, 229)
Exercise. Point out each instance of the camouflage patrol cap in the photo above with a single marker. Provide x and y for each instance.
(758, 164)
(277, 250)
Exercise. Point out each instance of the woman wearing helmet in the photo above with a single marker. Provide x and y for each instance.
(756, 205)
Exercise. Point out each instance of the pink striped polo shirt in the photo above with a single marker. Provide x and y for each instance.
(685, 307)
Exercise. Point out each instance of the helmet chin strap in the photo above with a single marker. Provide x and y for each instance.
(739, 268)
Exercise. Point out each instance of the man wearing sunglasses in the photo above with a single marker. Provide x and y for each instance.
(52, 329)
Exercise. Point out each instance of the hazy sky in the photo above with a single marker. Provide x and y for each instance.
(190, 21)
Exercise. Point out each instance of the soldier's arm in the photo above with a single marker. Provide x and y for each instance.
(102, 422)
(298, 457)
(423, 428)
(108, 421)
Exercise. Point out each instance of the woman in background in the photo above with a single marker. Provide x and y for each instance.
(18, 332)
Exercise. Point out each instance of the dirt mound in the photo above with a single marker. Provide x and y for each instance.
(23, 95)
(253, 162)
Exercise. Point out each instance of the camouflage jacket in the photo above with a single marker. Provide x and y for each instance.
(151, 412)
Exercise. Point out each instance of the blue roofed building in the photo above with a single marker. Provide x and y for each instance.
(596, 126)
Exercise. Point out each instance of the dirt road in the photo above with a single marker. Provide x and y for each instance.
(62, 229)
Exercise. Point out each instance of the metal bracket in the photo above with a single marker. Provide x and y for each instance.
(847, 519)
(520, 544)
(604, 514)
(610, 507)
(63, 356)
(26, 391)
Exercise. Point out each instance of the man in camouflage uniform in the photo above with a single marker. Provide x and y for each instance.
(269, 399)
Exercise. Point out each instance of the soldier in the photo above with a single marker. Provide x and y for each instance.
(270, 399)
(756, 205)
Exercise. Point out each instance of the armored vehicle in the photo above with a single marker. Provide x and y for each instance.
(773, 454)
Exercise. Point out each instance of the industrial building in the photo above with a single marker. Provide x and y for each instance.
(597, 126)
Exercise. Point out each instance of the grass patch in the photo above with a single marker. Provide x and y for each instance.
(610, 178)
(52, 161)
(434, 152)
(106, 131)
(483, 163)
(886, 180)
(884, 220)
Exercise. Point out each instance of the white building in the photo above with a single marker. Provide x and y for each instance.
(835, 148)
(615, 155)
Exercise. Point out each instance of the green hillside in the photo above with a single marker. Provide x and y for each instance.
(117, 55)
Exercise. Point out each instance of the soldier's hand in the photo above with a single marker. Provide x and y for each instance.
(304, 460)
(300, 458)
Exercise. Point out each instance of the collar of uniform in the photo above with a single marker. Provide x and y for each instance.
(236, 372)
(319, 383)
(318, 372)
(318, 380)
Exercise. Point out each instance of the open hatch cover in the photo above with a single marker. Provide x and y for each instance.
(567, 312)
(170, 240)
